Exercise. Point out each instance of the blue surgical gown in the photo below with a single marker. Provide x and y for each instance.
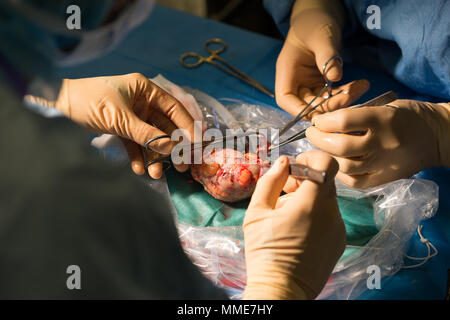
(413, 43)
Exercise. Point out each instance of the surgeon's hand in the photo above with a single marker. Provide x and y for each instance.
(395, 141)
(292, 246)
(130, 106)
(313, 38)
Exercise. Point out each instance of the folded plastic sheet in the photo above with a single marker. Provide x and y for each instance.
(379, 223)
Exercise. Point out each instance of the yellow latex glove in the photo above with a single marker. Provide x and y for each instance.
(130, 106)
(398, 140)
(313, 38)
(292, 246)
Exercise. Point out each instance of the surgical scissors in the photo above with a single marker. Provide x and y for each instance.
(327, 87)
(223, 65)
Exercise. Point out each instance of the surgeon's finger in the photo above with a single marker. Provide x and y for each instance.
(355, 166)
(154, 170)
(290, 72)
(351, 92)
(291, 99)
(173, 109)
(324, 43)
(373, 178)
(141, 132)
(358, 180)
(291, 103)
(345, 120)
(135, 155)
(164, 123)
(304, 96)
(308, 94)
(322, 160)
(342, 97)
(270, 185)
(340, 144)
(317, 160)
(312, 99)
(292, 184)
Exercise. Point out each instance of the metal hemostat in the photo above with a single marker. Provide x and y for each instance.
(221, 64)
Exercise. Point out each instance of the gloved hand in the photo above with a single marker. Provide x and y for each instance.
(313, 38)
(130, 106)
(398, 140)
(291, 247)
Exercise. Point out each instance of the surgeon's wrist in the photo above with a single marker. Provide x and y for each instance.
(276, 286)
(63, 101)
(437, 116)
(443, 130)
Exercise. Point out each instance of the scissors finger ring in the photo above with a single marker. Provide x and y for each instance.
(147, 144)
(324, 68)
(198, 60)
(222, 45)
(324, 72)
(166, 163)
(152, 157)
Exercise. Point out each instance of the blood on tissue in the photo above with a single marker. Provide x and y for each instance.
(232, 176)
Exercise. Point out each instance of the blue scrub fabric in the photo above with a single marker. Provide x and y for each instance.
(413, 43)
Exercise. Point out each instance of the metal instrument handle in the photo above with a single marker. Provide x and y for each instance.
(198, 60)
(381, 100)
(216, 41)
(304, 172)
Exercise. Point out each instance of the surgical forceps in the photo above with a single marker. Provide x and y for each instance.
(382, 99)
(222, 65)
